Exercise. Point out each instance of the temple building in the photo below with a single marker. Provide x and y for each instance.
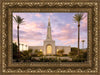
(49, 47)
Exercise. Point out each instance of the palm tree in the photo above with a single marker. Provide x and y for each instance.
(19, 21)
(77, 18)
(26, 47)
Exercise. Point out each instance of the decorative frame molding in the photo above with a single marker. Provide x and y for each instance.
(91, 66)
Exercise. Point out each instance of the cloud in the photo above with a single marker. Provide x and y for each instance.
(30, 42)
(38, 15)
(51, 14)
(71, 41)
(33, 26)
(67, 33)
(31, 31)
(64, 32)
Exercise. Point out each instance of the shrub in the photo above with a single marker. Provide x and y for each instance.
(38, 53)
(65, 55)
(73, 52)
(48, 59)
(64, 60)
(34, 60)
(80, 58)
(60, 52)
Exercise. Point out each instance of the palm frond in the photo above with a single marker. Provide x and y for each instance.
(78, 17)
(15, 18)
(18, 19)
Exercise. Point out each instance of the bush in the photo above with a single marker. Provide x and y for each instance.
(80, 58)
(65, 55)
(60, 52)
(48, 59)
(74, 51)
(34, 55)
(34, 60)
(64, 60)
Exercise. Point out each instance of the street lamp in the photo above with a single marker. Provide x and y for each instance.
(83, 43)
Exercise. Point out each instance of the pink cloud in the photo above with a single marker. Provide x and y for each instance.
(32, 26)
(38, 15)
(30, 42)
(51, 14)
(71, 41)
(65, 32)
(31, 31)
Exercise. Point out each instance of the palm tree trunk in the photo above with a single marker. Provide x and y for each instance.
(18, 39)
(78, 39)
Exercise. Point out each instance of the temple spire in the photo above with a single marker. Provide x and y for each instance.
(49, 36)
(49, 21)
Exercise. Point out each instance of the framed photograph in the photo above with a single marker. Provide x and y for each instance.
(35, 37)
(49, 37)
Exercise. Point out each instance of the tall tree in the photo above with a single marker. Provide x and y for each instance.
(14, 51)
(77, 18)
(19, 21)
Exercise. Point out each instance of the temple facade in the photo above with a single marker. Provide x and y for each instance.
(49, 47)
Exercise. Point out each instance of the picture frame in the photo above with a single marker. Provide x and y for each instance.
(91, 66)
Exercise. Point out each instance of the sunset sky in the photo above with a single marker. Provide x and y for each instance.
(64, 29)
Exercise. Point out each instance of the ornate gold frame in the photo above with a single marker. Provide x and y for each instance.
(91, 66)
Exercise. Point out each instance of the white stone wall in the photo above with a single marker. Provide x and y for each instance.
(67, 49)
